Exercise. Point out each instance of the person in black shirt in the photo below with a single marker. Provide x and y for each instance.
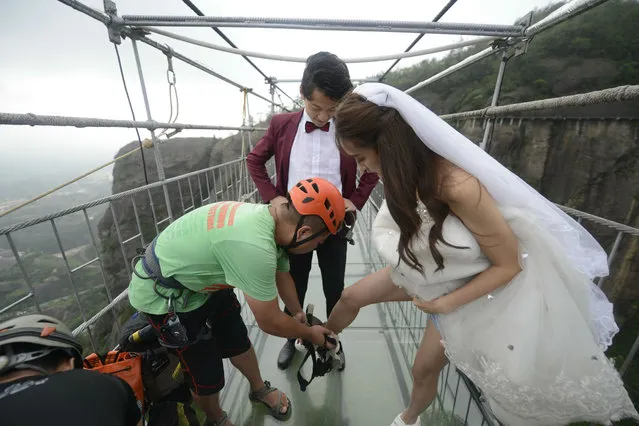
(42, 380)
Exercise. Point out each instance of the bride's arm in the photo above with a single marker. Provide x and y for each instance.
(473, 205)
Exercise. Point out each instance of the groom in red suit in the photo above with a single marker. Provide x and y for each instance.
(303, 144)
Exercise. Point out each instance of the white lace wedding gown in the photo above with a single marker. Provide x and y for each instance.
(535, 347)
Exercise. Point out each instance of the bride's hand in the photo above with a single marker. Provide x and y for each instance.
(438, 305)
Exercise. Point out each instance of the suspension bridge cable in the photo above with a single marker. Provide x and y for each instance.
(163, 48)
(419, 37)
(613, 94)
(219, 32)
(128, 98)
(284, 58)
(31, 119)
(280, 98)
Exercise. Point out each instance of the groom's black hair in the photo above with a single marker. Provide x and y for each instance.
(328, 73)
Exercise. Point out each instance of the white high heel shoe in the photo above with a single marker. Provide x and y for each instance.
(399, 422)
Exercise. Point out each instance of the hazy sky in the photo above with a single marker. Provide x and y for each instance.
(58, 61)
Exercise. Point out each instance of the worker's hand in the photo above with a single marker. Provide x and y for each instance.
(319, 334)
(350, 207)
(278, 200)
(301, 317)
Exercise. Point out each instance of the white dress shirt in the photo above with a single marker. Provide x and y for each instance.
(314, 154)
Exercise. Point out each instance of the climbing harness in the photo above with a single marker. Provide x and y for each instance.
(172, 333)
(347, 228)
(324, 359)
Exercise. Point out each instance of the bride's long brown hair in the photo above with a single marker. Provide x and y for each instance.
(409, 167)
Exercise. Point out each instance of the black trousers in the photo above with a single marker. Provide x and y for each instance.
(331, 256)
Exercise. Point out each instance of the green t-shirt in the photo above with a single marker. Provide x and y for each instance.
(215, 246)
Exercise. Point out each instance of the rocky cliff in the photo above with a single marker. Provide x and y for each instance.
(179, 156)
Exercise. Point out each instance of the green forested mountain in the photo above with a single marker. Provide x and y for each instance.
(595, 50)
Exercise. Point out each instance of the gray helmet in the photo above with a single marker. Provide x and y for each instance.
(41, 330)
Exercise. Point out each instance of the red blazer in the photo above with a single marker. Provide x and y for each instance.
(278, 141)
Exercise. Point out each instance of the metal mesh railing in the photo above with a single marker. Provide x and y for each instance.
(77, 284)
(96, 320)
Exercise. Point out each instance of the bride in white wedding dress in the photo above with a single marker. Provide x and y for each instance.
(504, 274)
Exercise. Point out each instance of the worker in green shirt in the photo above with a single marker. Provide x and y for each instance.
(185, 285)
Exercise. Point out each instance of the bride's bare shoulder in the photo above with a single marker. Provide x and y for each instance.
(456, 185)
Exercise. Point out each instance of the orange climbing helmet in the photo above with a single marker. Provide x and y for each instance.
(319, 197)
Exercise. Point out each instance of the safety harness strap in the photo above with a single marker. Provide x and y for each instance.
(151, 265)
(322, 361)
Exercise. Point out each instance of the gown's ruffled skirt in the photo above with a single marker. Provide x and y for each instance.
(535, 347)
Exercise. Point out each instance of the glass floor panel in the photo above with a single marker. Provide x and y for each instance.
(372, 390)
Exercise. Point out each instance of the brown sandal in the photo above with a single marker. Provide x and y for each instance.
(275, 411)
(219, 422)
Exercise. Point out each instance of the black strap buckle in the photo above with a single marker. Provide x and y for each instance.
(346, 230)
(321, 357)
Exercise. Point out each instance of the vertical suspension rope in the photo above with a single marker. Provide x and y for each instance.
(250, 123)
(250, 142)
(171, 80)
(243, 153)
(128, 97)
